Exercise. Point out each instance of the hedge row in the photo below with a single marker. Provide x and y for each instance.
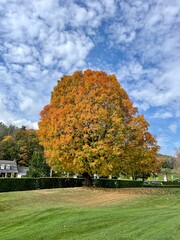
(170, 183)
(164, 185)
(113, 183)
(22, 184)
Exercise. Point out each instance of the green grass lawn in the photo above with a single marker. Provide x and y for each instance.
(82, 213)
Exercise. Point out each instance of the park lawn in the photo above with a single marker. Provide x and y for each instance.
(88, 214)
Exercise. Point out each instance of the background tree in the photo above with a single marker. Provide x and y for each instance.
(167, 166)
(38, 166)
(169, 161)
(91, 126)
(27, 143)
(177, 161)
(20, 144)
(6, 130)
(8, 148)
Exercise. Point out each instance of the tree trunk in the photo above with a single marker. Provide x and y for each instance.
(134, 177)
(88, 180)
(143, 177)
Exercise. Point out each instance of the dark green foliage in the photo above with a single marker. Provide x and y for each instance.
(174, 184)
(23, 145)
(27, 144)
(169, 184)
(113, 183)
(45, 183)
(8, 149)
(22, 184)
(38, 167)
(18, 184)
(6, 130)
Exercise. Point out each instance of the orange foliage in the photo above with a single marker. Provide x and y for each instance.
(91, 126)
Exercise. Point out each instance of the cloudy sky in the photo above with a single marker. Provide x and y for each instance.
(137, 40)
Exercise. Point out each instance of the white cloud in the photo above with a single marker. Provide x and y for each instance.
(162, 115)
(150, 71)
(23, 122)
(130, 70)
(40, 40)
(163, 140)
(173, 127)
(123, 34)
(142, 106)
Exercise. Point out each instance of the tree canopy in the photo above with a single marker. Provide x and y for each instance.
(18, 143)
(91, 126)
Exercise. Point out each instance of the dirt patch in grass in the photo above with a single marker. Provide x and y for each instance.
(96, 196)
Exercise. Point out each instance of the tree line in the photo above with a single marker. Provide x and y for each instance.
(23, 145)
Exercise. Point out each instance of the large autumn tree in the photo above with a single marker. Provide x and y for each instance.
(91, 126)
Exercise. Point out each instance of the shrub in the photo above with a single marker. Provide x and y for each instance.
(17, 184)
(114, 183)
(22, 184)
(163, 185)
(171, 184)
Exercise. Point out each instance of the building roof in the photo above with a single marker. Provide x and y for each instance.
(7, 166)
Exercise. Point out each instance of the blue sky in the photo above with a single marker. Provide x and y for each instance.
(137, 40)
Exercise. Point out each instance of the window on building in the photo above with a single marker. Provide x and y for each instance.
(8, 167)
(2, 166)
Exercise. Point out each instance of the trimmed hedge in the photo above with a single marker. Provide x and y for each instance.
(114, 183)
(22, 184)
(170, 183)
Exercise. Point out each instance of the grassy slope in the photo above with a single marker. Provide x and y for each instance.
(67, 214)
